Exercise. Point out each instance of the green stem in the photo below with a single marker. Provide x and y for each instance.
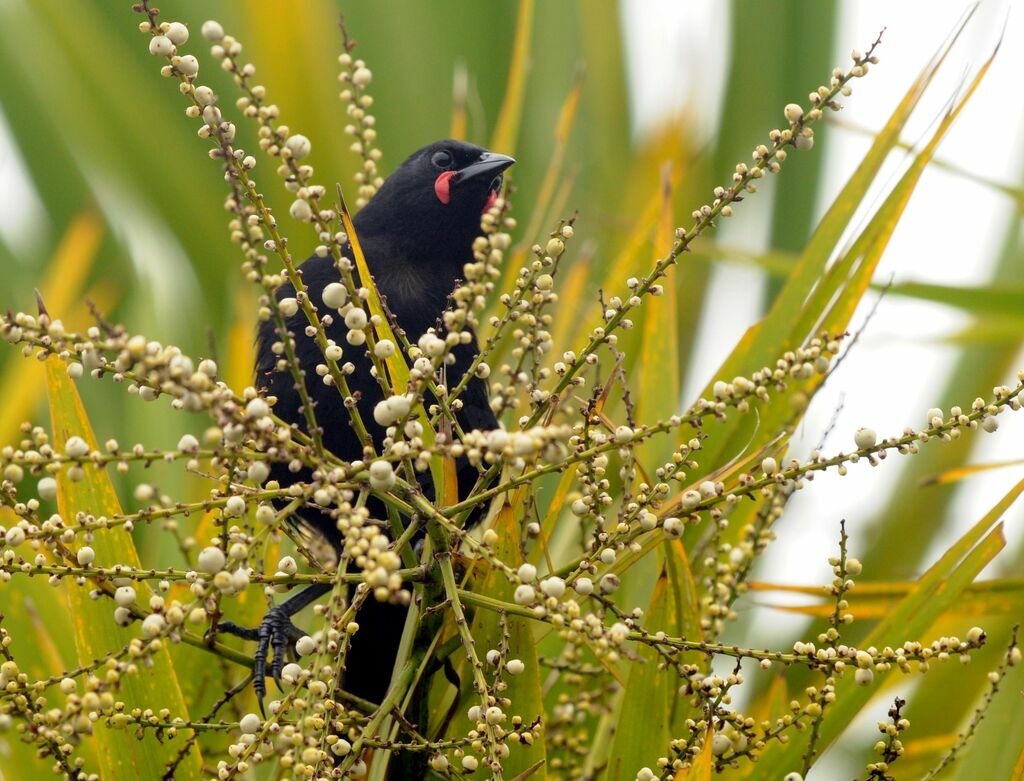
(479, 681)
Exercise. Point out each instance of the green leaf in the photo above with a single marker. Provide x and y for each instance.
(40, 626)
(686, 600)
(755, 96)
(658, 376)
(120, 754)
(935, 593)
(831, 303)
(803, 292)
(523, 690)
(1006, 300)
(644, 714)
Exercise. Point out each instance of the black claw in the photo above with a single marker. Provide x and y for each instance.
(238, 631)
(260, 689)
(272, 636)
(279, 645)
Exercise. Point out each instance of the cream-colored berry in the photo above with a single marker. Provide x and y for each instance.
(211, 560)
(250, 724)
(335, 295)
(47, 488)
(298, 145)
(865, 438)
(212, 31)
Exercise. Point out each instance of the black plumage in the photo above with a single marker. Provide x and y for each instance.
(416, 234)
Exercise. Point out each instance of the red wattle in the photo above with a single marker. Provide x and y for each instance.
(490, 201)
(442, 187)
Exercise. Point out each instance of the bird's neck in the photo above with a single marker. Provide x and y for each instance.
(415, 269)
(440, 247)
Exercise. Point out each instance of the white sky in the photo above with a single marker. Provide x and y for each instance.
(949, 234)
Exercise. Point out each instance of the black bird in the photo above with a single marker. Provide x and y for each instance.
(417, 234)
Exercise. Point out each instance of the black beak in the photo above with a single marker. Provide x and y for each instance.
(489, 164)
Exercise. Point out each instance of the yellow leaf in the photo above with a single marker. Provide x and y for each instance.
(933, 595)
(702, 766)
(548, 525)
(571, 302)
(1018, 770)
(397, 368)
(21, 384)
(771, 701)
(542, 204)
(507, 128)
(961, 473)
(877, 599)
(240, 357)
(450, 495)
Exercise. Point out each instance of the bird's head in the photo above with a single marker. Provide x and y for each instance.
(432, 203)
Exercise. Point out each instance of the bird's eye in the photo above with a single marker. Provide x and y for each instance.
(442, 159)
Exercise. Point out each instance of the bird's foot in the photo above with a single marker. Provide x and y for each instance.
(273, 636)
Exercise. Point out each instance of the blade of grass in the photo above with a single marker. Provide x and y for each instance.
(856, 275)
(957, 474)
(1007, 299)
(1014, 193)
(22, 608)
(549, 525)
(834, 299)
(545, 196)
(686, 599)
(793, 210)
(460, 91)
(978, 368)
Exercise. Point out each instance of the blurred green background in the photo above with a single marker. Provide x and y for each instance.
(108, 195)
